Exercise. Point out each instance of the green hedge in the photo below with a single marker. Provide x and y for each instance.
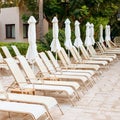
(41, 45)
(21, 46)
(49, 37)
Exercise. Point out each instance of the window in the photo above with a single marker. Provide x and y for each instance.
(10, 31)
(25, 30)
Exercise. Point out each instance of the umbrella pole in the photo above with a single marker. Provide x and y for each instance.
(33, 67)
(78, 50)
(68, 53)
(56, 56)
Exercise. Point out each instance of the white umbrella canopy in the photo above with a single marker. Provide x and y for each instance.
(107, 33)
(55, 44)
(32, 49)
(68, 43)
(88, 41)
(78, 42)
(101, 39)
(92, 33)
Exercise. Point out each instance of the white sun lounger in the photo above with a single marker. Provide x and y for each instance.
(68, 64)
(35, 111)
(78, 58)
(47, 102)
(38, 80)
(61, 77)
(98, 57)
(112, 45)
(16, 50)
(109, 51)
(59, 68)
(114, 56)
(21, 81)
(52, 70)
(6, 51)
(87, 56)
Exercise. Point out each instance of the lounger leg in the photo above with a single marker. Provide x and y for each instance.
(49, 115)
(71, 101)
(85, 86)
(60, 109)
(92, 81)
(95, 78)
(77, 94)
(9, 116)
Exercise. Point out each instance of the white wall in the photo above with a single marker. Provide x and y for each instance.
(10, 16)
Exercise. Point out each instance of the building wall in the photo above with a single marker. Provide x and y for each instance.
(12, 15)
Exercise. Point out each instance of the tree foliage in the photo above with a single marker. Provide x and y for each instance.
(95, 11)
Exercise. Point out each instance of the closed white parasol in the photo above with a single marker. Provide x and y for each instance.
(92, 33)
(107, 33)
(55, 44)
(78, 42)
(32, 49)
(88, 41)
(101, 39)
(68, 43)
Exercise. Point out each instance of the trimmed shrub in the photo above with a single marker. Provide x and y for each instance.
(21, 46)
(61, 36)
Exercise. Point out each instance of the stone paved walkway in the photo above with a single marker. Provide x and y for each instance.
(101, 102)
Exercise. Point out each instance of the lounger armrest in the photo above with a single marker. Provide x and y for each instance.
(58, 68)
(5, 94)
(50, 78)
(39, 74)
(72, 65)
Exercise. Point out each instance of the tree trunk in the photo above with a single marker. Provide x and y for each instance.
(41, 19)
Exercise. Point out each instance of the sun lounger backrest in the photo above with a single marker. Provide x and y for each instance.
(108, 44)
(53, 60)
(84, 52)
(104, 47)
(65, 56)
(100, 47)
(62, 58)
(89, 50)
(74, 55)
(77, 54)
(112, 44)
(1, 57)
(47, 62)
(6, 51)
(16, 50)
(93, 50)
(41, 66)
(26, 67)
(18, 75)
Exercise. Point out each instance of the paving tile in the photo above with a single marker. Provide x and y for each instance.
(101, 102)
